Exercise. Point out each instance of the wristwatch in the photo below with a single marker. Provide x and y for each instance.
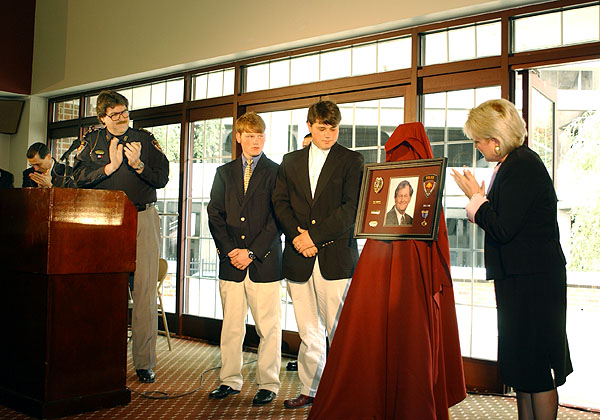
(251, 255)
(141, 166)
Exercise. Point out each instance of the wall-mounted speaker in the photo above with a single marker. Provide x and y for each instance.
(10, 115)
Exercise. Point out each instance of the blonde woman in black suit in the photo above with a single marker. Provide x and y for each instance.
(523, 256)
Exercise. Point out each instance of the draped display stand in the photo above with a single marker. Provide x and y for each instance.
(65, 259)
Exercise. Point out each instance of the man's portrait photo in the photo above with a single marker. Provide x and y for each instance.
(400, 204)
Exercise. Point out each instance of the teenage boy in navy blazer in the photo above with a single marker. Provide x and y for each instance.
(315, 200)
(242, 223)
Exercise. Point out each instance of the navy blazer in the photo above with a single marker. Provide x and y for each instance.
(520, 223)
(329, 217)
(246, 221)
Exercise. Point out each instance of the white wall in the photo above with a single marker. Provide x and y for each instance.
(5, 152)
(88, 43)
(32, 128)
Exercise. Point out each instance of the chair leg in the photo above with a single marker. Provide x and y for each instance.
(164, 318)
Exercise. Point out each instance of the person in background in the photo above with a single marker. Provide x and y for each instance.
(45, 172)
(242, 224)
(307, 140)
(118, 157)
(6, 180)
(315, 200)
(523, 256)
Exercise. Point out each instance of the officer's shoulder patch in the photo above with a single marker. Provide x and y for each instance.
(155, 143)
(82, 146)
(91, 130)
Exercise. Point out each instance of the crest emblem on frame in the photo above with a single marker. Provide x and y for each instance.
(378, 184)
(429, 183)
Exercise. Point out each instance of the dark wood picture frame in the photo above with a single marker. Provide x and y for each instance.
(376, 217)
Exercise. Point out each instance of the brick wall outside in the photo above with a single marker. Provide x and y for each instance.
(67, 110)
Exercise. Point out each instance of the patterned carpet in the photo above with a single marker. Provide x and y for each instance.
(187, 374)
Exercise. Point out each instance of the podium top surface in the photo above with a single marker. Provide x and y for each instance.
(67, 231)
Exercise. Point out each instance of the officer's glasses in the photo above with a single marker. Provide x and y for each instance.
(117, 115)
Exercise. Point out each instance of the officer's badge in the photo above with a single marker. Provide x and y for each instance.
(378, 184)
(155, 143)
(429, 183)
(99, 154)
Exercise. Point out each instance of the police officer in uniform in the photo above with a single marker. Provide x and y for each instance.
(127, 159)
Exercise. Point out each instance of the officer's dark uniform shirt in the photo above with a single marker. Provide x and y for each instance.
(93, 155)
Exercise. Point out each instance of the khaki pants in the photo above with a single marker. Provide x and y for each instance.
(317, 306)
(144, 320)
(264, 300)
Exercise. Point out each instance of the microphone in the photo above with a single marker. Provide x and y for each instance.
(74, 146)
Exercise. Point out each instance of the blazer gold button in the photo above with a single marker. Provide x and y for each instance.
(243, 236)
(243, 219)
(313, 221)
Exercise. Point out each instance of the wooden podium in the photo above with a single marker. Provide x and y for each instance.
(65, 259)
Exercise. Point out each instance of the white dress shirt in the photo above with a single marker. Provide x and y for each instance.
(316, 160)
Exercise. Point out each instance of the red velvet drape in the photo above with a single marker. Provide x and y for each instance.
(396, 354)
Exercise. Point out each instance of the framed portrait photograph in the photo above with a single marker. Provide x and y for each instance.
(401, 200)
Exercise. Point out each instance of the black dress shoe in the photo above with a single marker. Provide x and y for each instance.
(300, 401)
(263, 396)
(292, 366)
(221, 392)
(145, 375)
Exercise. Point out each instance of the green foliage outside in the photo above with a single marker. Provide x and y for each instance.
(210, 140)
(583, 158)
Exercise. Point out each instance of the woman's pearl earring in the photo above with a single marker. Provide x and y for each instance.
(497, 150)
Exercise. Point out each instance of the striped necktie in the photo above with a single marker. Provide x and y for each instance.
(247, 174)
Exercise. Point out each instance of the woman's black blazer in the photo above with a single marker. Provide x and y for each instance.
(520, 223)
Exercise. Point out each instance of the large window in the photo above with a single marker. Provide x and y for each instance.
(66, 110)
(473, 41)
(210, 148)
(147, 95)
(564, 27)
(356, 60)
(443, 116)
(576, 146)
(365, 127)
(168, 137)
(213, 84)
